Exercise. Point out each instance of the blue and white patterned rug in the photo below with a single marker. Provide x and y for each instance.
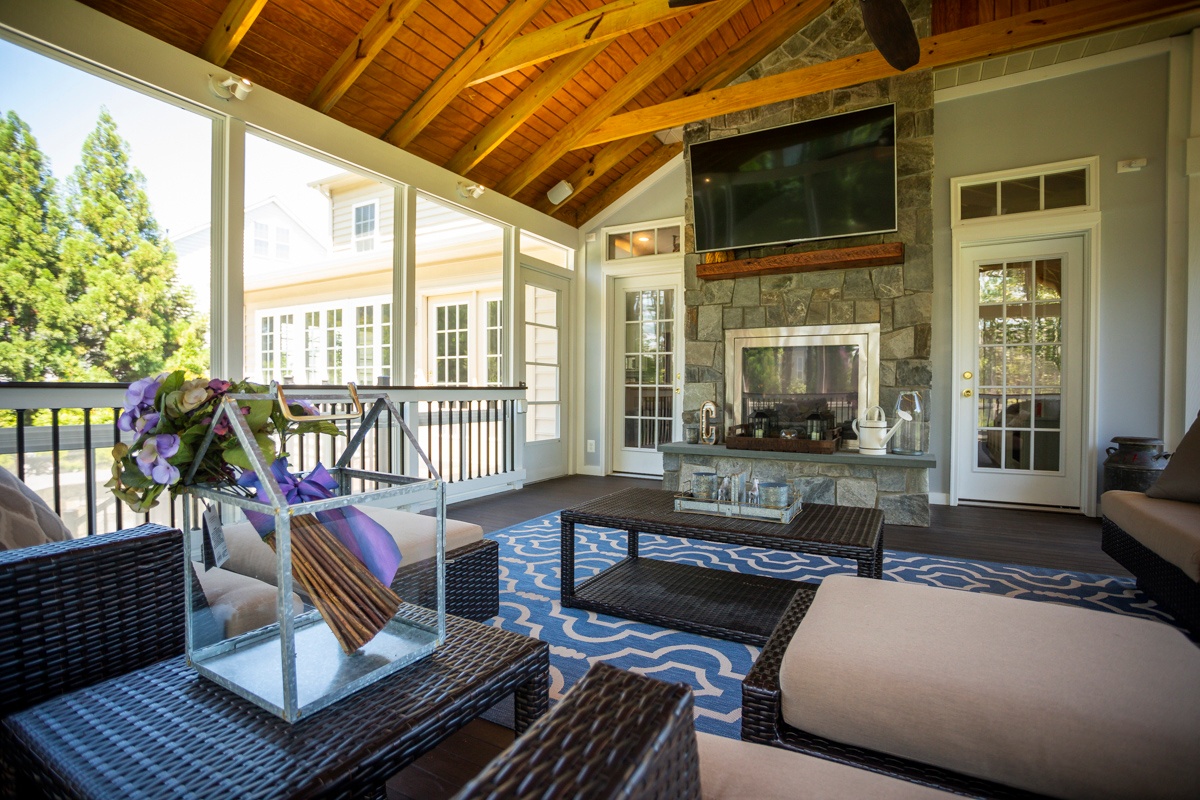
(529, 604)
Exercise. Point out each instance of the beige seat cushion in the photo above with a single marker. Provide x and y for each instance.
(1051, 698)
(238, 602)
(25, 519)
(731, 769)
(414, 535)
(1171, 528)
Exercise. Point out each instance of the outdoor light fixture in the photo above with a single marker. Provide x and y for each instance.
(560, 192)
(471, 190)
(230, 87)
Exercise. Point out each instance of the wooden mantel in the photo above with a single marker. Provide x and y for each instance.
(872, 255)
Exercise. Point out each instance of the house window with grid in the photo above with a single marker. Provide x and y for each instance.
(364, 226)
(333, 345)
(283, 249)
(313, 368)
(495, 331)
(385, 339)
(267, 329)
(364, 344)
(451, 335)
(262, 239)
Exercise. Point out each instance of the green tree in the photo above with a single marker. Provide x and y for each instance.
(33, 345)
(129, 313)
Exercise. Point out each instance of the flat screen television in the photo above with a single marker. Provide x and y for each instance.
(821, 179)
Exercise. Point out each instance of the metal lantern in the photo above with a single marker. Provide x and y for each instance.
(814, 426)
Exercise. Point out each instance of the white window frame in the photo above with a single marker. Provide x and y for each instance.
(632, 228)
(1090, 165)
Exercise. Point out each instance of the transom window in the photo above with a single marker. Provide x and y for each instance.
(1052, 187)
(647, 239)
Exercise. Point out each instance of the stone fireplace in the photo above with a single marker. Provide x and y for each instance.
(898, 298)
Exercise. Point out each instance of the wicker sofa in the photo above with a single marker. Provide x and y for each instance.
(617, 734)
(981, 695)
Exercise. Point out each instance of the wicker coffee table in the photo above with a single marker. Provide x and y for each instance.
(727, 605)
(165, 731)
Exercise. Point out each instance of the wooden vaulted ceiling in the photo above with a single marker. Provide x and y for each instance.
(521, 94)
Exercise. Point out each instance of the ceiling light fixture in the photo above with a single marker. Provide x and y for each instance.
(471, 190)
(560, 192)
(230, 87)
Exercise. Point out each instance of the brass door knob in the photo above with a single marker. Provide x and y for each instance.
(967, 393)
(968, 375)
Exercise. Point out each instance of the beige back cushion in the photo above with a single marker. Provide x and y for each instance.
(414, 535)
(238, 602)
(731, 769)
(1181, 478)
(25, 519)
(1050, 698)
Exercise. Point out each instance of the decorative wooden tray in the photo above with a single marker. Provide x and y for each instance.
(776, 444)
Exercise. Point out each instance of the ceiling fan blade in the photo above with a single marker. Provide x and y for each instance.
(891, 29)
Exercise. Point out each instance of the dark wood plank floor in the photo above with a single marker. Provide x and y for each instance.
(1031, 538)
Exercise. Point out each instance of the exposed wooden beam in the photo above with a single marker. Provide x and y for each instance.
(499, 32)
(522, 108)
(598, 25)
(696, 30)
(763, 40)
(379, 30)
(644, 169)
(237, 18)
(1066, 21)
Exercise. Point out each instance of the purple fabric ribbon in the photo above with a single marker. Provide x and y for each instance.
(365, 538)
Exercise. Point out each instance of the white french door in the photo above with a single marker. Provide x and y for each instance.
(543, 341)
(1019, 373)
(646, 373)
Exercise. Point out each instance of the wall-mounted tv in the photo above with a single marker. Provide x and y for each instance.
(820, 179)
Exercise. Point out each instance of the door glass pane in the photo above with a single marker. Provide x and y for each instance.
(1016, 450)
(991, 407)
(1049, 322)
(1018, 362)
(633, 338)
(991, 366)
(1019, 323)
(991, 283)
(1049, 279)
(991, 326)
(541, 344)
(988, 450)
(631, 402)
(1047, 450)
(1046, 409)
(1047, 367)
(541, 363)
(1017, 281)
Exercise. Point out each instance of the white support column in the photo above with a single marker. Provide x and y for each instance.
(226, 326)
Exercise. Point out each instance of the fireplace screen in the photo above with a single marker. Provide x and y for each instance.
(791, 376)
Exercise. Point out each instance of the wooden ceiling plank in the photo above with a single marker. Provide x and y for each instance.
(695, 31)
(644, 169)
(598, 25)
(1066, 21)
(224, 38)
(499, 32)
(378, 31)
(750, 50)
(522, 108)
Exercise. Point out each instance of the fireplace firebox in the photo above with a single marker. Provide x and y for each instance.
(789, 377)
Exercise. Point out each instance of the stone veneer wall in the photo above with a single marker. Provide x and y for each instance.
(899, 297)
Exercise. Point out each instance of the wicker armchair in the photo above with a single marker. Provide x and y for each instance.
(615, 734)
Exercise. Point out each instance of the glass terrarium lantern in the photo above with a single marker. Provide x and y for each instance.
(305, 660)
(911, 434)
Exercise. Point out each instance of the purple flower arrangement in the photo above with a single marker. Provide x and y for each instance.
(170, 415)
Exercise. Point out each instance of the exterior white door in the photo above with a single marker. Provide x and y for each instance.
(646, 373)
(1019, 376)
(543, 339)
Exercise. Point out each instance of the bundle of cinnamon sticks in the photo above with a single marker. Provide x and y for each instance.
(354, 603)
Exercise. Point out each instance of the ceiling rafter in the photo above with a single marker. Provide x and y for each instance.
(379, 30)
(582, 30)
(523, 107)
(682, 42)
(761, 41)
(640, 172)
(225, 37)
(499, 32)
(1066, 21)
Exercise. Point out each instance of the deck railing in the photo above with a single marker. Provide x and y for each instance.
(58, 438)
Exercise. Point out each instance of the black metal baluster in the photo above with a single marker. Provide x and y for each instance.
(54, 447)
(117, 438)
(21, 443)
(89, 473)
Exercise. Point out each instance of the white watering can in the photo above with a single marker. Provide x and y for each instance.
(873, 433)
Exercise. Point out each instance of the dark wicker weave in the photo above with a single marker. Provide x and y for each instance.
(166, 731)
(762, 722)
(472, 581)
(78, 612)
(615, 735)
(742, 608)
(1166, 583)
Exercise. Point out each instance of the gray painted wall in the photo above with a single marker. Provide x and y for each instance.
(1117, 112)
(659, 200)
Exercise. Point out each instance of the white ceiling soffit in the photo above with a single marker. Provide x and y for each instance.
(1026, 60)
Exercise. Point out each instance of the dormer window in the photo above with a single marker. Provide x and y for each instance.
(364, 226)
